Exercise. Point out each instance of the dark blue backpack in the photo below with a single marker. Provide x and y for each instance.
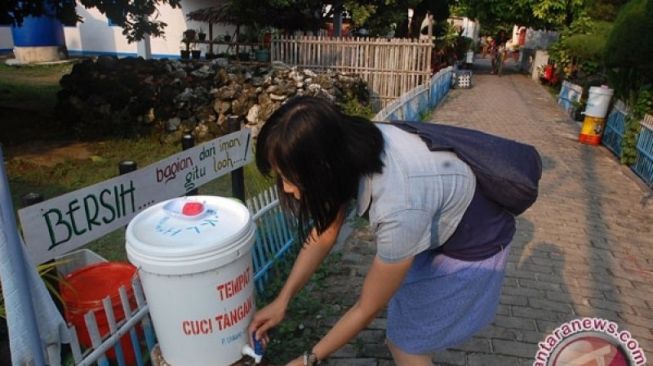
(507, 172)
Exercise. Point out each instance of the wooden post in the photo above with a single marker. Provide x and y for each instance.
(188, 141)
(210, 38)
(126, 166)
(238, 175)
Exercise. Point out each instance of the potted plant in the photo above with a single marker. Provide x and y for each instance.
(190, 34)
(227, 37)
(262, 54)
(201, 35)
(243, 56)
(195, 52)
(188, 39)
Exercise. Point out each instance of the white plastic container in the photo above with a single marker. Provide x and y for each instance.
(469, 57)
(194, 260)
(598, 101)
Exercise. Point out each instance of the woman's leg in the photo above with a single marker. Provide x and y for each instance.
(406, 359)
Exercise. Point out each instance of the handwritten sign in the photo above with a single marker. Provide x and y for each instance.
(59, 225)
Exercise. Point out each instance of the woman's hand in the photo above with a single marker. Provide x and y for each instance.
(267, 318)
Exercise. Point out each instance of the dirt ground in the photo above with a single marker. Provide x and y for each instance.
(50, 153)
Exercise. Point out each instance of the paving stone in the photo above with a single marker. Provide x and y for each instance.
(450, 357)
(486, 359)
(514, 322)
(376, 350)
(550, 305)
(513, 348)
(372, 336)
(495, 332)
(352, 362)
(513, 300)
(540, 285)
(347, 351)
(476, 344)
(541, 314)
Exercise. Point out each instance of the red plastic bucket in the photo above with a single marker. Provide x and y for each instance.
(83, 290)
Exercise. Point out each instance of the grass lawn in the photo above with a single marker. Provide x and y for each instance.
(28, 95)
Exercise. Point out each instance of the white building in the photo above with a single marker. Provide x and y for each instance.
(97, 36)
(470, 28)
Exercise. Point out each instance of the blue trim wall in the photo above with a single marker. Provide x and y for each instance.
(80, 53)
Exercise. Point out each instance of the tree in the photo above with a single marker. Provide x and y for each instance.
(135, 17)
(549, 14)
(626, 46)
(380, 16)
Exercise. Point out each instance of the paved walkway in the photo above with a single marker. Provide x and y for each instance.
(584, 249)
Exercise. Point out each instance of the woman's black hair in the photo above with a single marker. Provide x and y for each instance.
(322, 151)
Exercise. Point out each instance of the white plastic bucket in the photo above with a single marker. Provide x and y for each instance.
(194, 260)
(598, 101)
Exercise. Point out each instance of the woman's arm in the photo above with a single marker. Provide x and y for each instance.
(310, 257)
(381, 282)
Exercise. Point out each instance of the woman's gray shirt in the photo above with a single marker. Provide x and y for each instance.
(419, 198)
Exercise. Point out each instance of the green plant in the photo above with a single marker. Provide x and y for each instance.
(353, 107)
(304, 322)
(189, 38)
(425, 115)
(578, 53)
(359, 346)
(627, 46)
(355, 101)
(642, 105)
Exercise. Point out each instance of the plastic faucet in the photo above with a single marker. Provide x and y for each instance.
(256, 353)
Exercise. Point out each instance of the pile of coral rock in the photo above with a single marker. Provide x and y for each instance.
(130, 96)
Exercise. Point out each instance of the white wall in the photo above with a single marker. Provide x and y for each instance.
(170, 44)
(95, 36)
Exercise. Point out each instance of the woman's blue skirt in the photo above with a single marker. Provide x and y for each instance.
(443, 301)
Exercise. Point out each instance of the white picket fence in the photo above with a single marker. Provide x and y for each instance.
(390, 67)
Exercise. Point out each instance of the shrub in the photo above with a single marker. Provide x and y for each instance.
(590, 46)
(579, 52)
(628, 45)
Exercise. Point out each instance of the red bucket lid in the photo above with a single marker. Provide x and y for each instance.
(87, 286)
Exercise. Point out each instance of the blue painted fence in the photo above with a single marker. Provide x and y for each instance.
(424, 97)
(569, 97)
(613, 137)
(614, 128)
(644, 164)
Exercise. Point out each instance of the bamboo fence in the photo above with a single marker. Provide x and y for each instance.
(391, 67)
